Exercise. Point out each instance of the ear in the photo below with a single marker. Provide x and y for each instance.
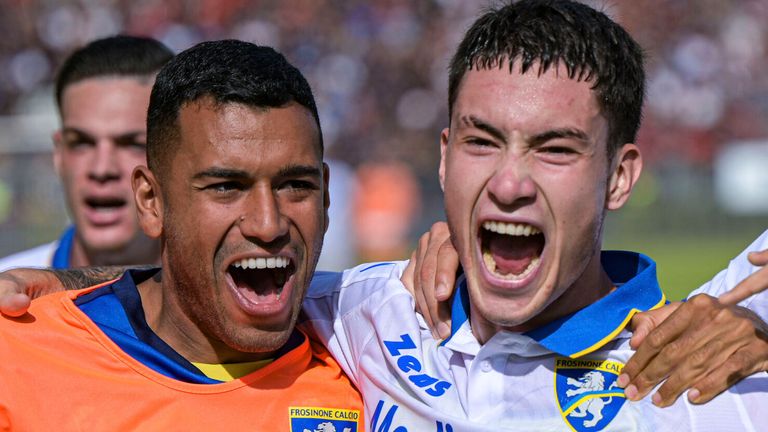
(626, 168)
(58, 148)
(326, 193)
(149, 201)
(444, 135)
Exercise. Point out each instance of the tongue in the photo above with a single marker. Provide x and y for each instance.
(513, 254)
(258, 286)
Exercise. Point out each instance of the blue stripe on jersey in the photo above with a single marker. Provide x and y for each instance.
(376, 265)
(459, 308)
(64, 249)
(590, 328)
(117, 310)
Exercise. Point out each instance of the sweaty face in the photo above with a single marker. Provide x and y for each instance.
(244, 218)
(525, 171)
(102, 139)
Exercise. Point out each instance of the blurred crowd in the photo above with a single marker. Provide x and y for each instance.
(379, 70)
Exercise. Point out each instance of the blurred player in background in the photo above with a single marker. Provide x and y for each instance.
(102, 94)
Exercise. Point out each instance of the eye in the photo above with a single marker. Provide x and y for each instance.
(135, 145)
(79, 143)
(297, 189)
(225, 187)
(558, 150)
(480, 142)
(479, 146)
(136, 142)
(299, 185)
(557, 154)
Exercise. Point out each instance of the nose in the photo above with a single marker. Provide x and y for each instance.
(105, 164)
(511, 183)
(263, 221)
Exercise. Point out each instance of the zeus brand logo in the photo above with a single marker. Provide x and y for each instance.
(411, 365)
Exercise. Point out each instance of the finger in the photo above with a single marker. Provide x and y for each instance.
(707, 343)
(447, 265)
(643, 323)
(691, 369)
(683, 359)
(416, 264)
(14, 305)
(666, 332)
(758, 258)
(755, 283)
(408, 274)
(424, 281)
(741, 364)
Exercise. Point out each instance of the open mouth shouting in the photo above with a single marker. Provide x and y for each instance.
(262, 284)
(511, 251)
(104, 210)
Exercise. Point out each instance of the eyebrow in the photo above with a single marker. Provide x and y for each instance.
(223, 173)
(290, 171)
(537, 139)
(484, 126)
(122, 137)
(543, 137)
(300, 171)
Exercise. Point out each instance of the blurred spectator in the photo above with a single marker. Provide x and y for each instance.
(385, 206)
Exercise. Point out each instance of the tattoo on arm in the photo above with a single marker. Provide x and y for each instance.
(88, 276)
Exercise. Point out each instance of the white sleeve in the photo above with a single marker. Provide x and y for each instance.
(738, 269)
(340, 308)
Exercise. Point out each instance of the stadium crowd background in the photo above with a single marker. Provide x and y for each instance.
(379, 70)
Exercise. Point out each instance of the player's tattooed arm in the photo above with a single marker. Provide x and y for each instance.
(88, 276)
(19, 286)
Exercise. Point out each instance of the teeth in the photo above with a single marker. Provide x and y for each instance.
(262, 263)
(511, 228)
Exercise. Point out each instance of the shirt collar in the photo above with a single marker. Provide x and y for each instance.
(588, 329)
(64, 249)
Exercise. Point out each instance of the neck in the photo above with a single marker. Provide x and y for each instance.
(166, 316)
(592, 285)
(140, 251)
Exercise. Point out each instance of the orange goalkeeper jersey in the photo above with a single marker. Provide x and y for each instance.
(60, 372)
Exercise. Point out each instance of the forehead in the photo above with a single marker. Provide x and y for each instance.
(105, 101)
(526, 100)
(234, 134)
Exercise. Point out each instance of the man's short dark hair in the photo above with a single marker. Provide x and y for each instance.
(561, 32)
(119, 56)
(226, 71)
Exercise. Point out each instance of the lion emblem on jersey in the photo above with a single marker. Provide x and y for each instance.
(592, 381)
(326, 427)
(587, 393)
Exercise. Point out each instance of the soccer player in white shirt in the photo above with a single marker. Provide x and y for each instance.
(545, 100)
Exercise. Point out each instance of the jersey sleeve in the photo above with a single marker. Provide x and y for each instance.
(341, 308)
(738, 269)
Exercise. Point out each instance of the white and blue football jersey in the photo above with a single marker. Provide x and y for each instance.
(559, 377)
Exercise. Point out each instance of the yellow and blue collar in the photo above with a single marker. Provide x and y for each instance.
(588, 329)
